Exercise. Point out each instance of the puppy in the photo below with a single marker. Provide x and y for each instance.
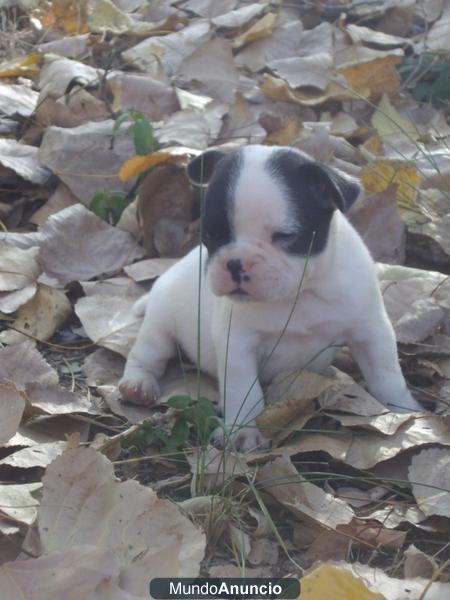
(281, 279)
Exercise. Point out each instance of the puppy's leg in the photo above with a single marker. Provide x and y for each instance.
(148, 357)
(375, 350)
(242, 396)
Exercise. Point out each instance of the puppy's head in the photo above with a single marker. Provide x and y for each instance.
(267, 210)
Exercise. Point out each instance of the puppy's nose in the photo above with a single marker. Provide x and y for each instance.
(234, 265)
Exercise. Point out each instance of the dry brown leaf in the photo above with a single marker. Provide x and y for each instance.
(39, 317)
(76, 244)
(94, 508)
(193, 128)
(422, 319)
(12, 405)
(165, 194)
(52, 400)
(418, 564)
(378, 75)
(206, 8)
(429, 474)
(68, 15)
(261, 29)
(282, 480)
(378, 221)
(21, 67)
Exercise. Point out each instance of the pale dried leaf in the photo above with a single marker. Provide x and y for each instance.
(422, 319)
(305, 71)
(282, 480)
(61, 198)
(22, 364)
(17, 100)
(169, 50)
(53, 400)
(83, 503)
(23, 160)
(429, 475)
(418, 564)
(40, 455)
(84, 159)
(108, 321)
(103, 367)
(18, 503)
(193, 128)
(83, 568)
(40, 317)
(239, 17)
(212, 68)
(378, 222)
(77, 245)
(12, 405)
(151, 268)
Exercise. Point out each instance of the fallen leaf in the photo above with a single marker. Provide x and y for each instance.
(429, 474)
(377, 219)
(165, 194)
(19, 270)
(151, 268)
(282, 480)
(103, 367)
(381, 174)
(345, 585)
(139, 164)
(391, 126)
(76, 244)
(370, 70)
(40, 455)
(40, 317)
(305, 71)
(23, 160)
(17, 100)
(21, 67)
(12, 405)
(18, 502)
(169, 50)
(193, 128)
(418, 564)
(239, 17)
(52, 400)
(261, 29)
(22, 364)
(94, 508)
(84, 158)
(69, 15)
(422, 319)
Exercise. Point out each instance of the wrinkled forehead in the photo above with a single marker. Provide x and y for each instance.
(260, 203)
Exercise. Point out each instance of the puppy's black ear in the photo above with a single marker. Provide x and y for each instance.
(201, 168)
(330, 186)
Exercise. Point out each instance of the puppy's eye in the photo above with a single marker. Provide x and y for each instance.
(283, 236)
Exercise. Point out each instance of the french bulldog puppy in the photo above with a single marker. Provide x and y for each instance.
(281, 279)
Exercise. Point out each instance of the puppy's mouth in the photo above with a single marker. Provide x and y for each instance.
(238, 292)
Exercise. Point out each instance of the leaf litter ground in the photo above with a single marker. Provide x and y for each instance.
(349, 497)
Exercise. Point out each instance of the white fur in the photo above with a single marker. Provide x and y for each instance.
(338, 302)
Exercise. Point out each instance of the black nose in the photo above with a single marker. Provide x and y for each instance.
(235, 267)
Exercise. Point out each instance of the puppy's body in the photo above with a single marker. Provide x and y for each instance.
(281, 283)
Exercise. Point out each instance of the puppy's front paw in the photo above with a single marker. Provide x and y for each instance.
(139, 387)
(404, 403)
(244, 439)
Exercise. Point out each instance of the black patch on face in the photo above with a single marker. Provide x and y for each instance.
(216, 230)
(314, 192)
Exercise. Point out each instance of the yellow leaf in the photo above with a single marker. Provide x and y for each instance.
(19, 68)
(379, 75)
(391, 125)
(68, 15)
(278, 89)
(379, 175)
(330, 581)
(138, 164)
(261, 29)
(287, 134)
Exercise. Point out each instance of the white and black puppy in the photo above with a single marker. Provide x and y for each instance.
(284, 279)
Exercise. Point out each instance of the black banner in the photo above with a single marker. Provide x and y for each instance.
(244, 588)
